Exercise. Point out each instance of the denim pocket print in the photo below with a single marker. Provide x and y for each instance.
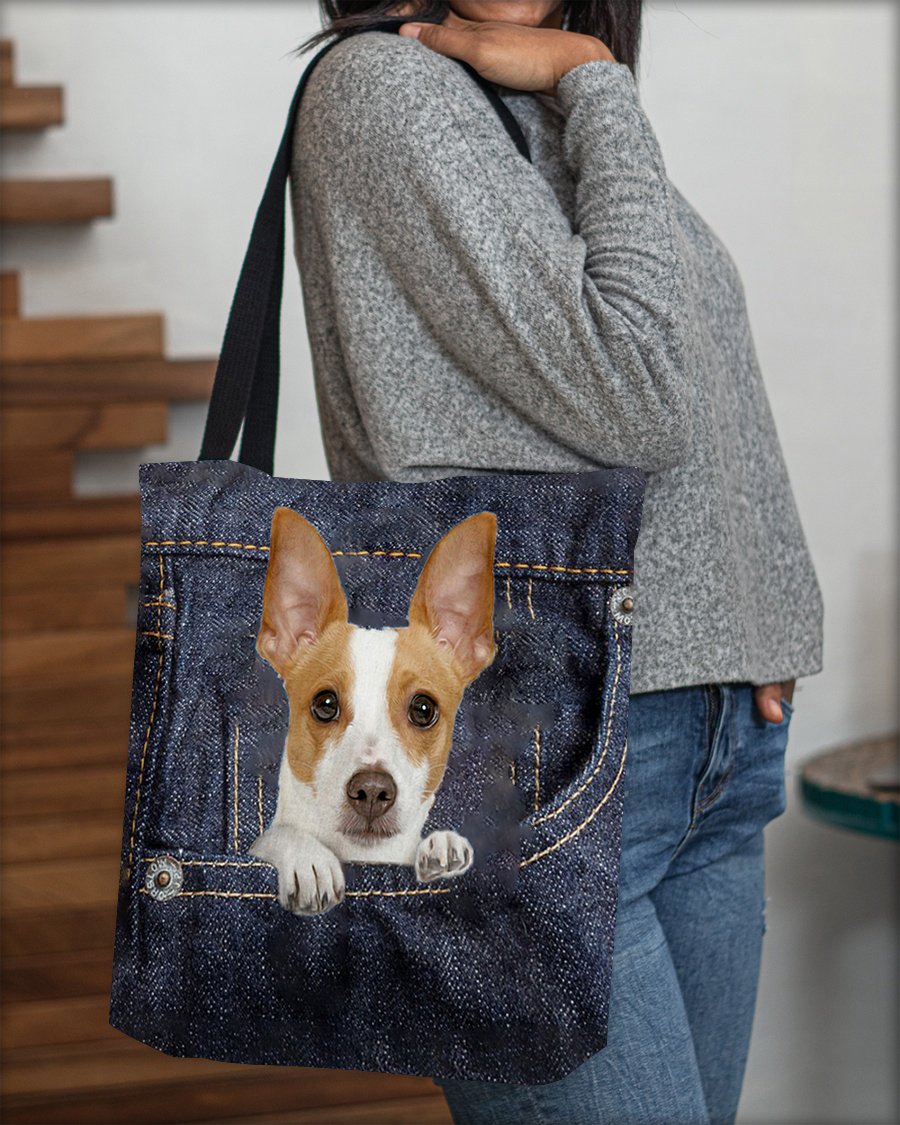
(532, 764)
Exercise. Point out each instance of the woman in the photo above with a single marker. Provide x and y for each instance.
(471, 312)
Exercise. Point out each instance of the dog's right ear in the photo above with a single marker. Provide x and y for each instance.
(302, 593)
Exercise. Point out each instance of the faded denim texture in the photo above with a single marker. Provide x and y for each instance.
(500, 975)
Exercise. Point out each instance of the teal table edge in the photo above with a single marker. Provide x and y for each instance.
(847, 810)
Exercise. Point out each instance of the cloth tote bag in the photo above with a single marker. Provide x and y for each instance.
(373, 797)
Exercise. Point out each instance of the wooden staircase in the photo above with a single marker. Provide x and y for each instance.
(69, 567)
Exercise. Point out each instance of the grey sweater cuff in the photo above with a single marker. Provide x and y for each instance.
(596, 74)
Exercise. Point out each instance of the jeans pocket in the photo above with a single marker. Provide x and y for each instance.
(773, 761)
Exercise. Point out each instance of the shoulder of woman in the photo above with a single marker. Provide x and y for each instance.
(379, 78)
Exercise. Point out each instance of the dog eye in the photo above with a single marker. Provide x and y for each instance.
(325, 705)
(423, 711)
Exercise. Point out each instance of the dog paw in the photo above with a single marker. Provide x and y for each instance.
(442, 855)
(310, 876)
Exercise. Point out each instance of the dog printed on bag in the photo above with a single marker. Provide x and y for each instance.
(371, 710)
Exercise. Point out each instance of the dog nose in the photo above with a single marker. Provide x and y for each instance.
(371, 793)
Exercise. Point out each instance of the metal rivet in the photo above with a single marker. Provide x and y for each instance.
(164, 877)
(621, 604)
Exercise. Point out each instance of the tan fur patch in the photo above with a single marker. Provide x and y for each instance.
(421, 667)
(324, 664)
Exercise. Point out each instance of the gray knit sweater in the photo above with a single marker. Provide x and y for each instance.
(468, 311)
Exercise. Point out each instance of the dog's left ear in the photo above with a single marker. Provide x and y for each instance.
(302, 594)
(454, 597)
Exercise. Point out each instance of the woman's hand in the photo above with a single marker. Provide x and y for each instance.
(509, 54)
(768, 699)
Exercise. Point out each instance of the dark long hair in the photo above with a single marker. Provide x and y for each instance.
(617, 23)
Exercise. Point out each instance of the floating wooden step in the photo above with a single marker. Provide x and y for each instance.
(25, 108)
(9, 294)
(71, 675)
(42, 976)
(39, 443)
(27, 793)
(64, 610)
(65, 832)
(429, 1110)
(61, 884)
(80, 1066)
(56, 201)
(73, 517)
(49, 931)
(113, 425)
(50, 745)
(35, 478)
(38, 565)
(74, 339)
(37, 1023)
(6, 62)
(105, 700)
(174, 380)
(144, 1106)
(189, 1088)
(65, 658)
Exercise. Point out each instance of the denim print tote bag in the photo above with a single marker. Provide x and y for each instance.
(373, 798)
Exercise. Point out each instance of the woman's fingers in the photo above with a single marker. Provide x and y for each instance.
(768, 699)
(453, 36)
(768, 702)
(513, 55)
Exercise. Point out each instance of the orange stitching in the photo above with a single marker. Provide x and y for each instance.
(158, 601)
(708, 799)
(202, 543)
(263, 863)
(566, 569)
(220, 894)
(391, 894)
(237, 735)
(210, 862)
(270, 894)
(537, 768)
(599, 765)
(508, 598)
(137, 796)
(391, 554)
(587, 820)
(162, 636)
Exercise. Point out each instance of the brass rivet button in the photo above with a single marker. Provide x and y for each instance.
(164, 877)
(621, 604)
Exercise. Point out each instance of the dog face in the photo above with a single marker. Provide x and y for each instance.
(372, 710)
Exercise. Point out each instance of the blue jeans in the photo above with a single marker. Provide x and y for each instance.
(704, 775)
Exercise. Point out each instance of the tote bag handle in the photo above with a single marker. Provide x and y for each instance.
(245, 389)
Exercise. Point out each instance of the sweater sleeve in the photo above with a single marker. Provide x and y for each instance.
(581, 331)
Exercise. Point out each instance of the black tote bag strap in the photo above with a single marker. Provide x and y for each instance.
(247, 374)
